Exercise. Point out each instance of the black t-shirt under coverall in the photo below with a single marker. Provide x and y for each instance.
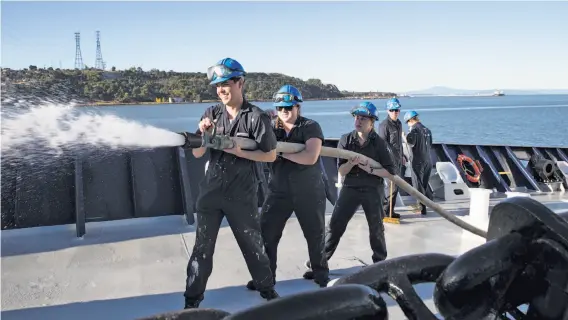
(297, 188)
(361, 189)
(229, 189)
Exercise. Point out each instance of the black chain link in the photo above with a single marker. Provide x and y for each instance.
(523, 262)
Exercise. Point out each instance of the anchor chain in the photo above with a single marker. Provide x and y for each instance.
(523, 263)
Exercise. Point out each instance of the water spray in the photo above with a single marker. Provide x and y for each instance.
(58, 128)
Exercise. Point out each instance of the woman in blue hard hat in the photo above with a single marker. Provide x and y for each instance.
(419, 138)
(362, 185)
(229, 188)
(391, 131)
(296, 185)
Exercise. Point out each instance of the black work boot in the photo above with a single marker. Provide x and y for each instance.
(394, 215)
(322, 282)
(193, 303)
(308, 275)
(269, 294)
(251, 286)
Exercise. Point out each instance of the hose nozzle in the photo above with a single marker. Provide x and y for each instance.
(192, 140)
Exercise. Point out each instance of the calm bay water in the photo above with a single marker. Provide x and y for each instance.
(539, 120)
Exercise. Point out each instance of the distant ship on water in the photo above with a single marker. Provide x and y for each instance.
(496, 93)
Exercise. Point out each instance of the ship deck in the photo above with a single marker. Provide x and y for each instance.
(132, 268)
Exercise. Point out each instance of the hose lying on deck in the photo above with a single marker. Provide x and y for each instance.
(288, 147)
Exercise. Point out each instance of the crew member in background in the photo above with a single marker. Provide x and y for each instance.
(229, 188)
(419, 138)
(296, 185)
(331, 196)
(362, 186)
(391, 132)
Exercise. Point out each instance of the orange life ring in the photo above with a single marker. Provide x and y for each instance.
(475, 165)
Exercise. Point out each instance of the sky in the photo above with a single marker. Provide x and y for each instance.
(363, 46)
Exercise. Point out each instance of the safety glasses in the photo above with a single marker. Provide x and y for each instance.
(360, 111)
(394, 110)
(286, 97)
(218, 71)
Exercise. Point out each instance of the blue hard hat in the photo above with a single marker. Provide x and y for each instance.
(409, 115)
(393, 104)
(287, 96)
(365, 109)
(224, 70)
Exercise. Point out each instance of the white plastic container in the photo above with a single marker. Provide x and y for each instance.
(479, 207)
(478, 217)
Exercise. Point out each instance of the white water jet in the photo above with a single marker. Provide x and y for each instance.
(57, 128)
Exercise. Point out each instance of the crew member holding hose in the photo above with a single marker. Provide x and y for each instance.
(362, 186)
(420, 139)
(296, 185)
(390, 130)
(229, 188)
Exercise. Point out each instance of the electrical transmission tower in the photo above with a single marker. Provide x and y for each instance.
(99, 63)
(78, 57)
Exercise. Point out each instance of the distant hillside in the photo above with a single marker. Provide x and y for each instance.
(137, 86)
(441, 90)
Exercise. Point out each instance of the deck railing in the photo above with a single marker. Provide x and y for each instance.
(164, 181)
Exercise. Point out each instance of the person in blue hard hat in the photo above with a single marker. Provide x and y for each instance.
(419, 138)
(296, 185)
(391, 131)
(229, 188)
(362, 185)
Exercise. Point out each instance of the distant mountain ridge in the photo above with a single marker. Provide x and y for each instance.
(441, 90)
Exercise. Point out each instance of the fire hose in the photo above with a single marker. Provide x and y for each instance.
(211, 139)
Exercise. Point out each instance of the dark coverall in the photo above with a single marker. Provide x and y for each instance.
(229, 189)
(361, 188)
(420, 139)
(391, 132)
(297, 188)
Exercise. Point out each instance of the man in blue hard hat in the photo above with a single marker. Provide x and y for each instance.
(229, 188)
(362, 185)
(419, 138)
(391, 131)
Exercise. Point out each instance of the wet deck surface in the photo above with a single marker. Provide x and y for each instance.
(134, 268)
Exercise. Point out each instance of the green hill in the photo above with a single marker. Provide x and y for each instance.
(137, 86)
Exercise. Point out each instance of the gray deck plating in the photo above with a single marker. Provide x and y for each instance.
(132, 268)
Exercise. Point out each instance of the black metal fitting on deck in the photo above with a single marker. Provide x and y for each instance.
(523, 262)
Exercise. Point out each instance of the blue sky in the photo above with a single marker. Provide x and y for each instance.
(386, 46)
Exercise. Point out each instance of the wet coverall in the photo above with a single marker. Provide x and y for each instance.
(361, 189)
(297, 188)
(229, 189)
(420, 139)
(391, 132)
